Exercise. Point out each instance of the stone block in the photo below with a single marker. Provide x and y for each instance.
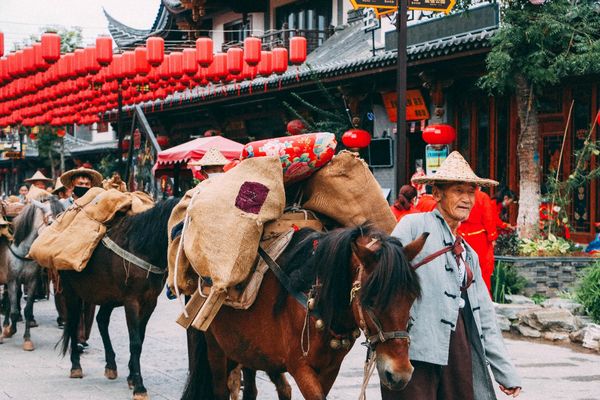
(511, 311)
(549, 319)
(555, 336)
(552, 274)
(567, 269)
(591, 337)
(518, 299)
(503, 322)
(541, 270)
(528, 331)
(566, 304)
(582, 320)
(553, 284)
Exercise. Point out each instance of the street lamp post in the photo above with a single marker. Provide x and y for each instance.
(401, 27)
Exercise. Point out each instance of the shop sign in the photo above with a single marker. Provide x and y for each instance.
(13, 154)
(416, 109)
(434, 157)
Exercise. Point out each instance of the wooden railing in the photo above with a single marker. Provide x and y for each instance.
(272, 39)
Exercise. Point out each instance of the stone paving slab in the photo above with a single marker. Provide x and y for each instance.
(548, 371)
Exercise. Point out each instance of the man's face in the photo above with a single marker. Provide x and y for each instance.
(82, 181)
(455, 201)
(39, 184)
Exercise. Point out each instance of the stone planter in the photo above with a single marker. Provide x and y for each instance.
(548, 275)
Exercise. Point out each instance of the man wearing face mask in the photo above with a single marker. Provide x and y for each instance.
(212, 163)
(80, 180)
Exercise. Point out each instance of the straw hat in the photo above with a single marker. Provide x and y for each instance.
(95, 176)
(212, 157)
(38, 176)
(454, 169)
(57, 187)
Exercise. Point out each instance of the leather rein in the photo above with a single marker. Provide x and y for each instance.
(45, 222)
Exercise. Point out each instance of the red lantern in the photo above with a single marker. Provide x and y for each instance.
(60, 133)
(29, 60)
(265, 66)
(439, 134)
(356, 138)
(50, 47)
(128, 62)
(190, 65)
(176, 65)
(598, 118)
(141, 64)
(104, 51)
(38, 60)
(220, 64)
(235, 60)
(126, 143)
(33, 136)
(162, 140)
(280, 60)
(1, 44)
(156, 50)
(295, 127)
(204, 51)
(79, 63)
(91, 62)
(297, 50)
(252, 50)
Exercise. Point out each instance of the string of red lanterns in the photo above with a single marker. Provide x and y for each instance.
(41, 86)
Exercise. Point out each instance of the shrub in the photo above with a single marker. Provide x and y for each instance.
(507, 245)
(547, 247)
(538, 298)
(588, 292)
(506, 280)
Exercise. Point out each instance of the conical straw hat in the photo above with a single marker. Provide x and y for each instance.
(212, 157)
(38, 176)
(454, 169)
(94, 175)
(58, 186)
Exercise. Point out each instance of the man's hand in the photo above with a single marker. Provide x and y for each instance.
(493, 243)
(509, 226)
(514, 391)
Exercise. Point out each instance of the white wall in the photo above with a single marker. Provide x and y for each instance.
(258, 23)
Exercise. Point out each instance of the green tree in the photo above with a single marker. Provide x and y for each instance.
(70, 38)
(535, 47)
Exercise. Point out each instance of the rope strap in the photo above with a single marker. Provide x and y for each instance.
(125, 255)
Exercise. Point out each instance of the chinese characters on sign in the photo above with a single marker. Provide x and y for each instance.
(416, 108)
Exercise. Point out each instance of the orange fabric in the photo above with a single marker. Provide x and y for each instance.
(548, 214)
(426, 203)
(479, 230)
(401, 213)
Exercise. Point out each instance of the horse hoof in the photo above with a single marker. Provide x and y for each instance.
(130, 383)
(110, 373)
(33, 324)
(7, 333)
(76, 373)
(28, 345)
(140, 396)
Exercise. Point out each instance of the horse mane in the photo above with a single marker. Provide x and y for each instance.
(22, 225)
(328, 255)
(146, 233)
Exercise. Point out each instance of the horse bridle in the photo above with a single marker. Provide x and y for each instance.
(380, 336)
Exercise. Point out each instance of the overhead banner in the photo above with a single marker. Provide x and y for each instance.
(416, 109)
(375, 3)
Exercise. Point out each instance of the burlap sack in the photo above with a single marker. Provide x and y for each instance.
(114, 183)
(12, 209)
(227, 217)
(36, 193)
(346, 191)
(140, 202)
(69, 242)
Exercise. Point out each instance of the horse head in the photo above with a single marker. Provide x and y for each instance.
(384, 289)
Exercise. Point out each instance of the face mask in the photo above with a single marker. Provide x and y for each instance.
(215, 174)
(79, 191)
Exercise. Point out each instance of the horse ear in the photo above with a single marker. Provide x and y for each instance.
(413, 248)
(364, 254)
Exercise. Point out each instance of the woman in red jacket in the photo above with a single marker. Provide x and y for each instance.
(501, 201)
(404, 202)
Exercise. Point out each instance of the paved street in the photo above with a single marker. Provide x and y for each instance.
(549, 372)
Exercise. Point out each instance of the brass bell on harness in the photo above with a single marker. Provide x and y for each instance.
(355, 333)
(335, 344)
(345, 343)
(311, 303)
(319, 324)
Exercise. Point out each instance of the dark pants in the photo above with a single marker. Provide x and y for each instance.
(434, 382)
(61, 306)
(86, 320)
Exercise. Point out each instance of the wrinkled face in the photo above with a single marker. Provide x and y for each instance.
(455, 200)
(83, 181)
(23, 191)
(40, 184)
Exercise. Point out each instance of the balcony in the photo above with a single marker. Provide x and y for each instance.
(281, 38)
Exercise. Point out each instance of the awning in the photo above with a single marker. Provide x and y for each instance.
(193, 151)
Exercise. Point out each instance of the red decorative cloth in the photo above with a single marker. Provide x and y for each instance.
(426, 203)
(479, 230)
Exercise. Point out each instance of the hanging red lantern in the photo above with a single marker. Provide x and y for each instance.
(91, 62)
(297, 50)
(235, 60)
(598, 118)
(156, 50)
(126, 143)
(33, 136)
(190, 65)
(204, 51)
(29, 60)
(252, 50)
(116, 68)
(1, 44)
(265, 66)
(128, 62)
(141, 64)
(38, 60)
(61, 133)
(176, 65)
(280, 60)
(356, 138)
(220, 64)
(50, 47)
(439, 134)
(79, 63)
(295, 127)
(104, 51)
(162, 140)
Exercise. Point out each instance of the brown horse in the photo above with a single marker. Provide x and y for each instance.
(111, 281)
(359, 278)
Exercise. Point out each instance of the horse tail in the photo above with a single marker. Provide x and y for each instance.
(71, 325)
(199, 384)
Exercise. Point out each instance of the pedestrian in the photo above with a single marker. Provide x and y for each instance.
(38, 180)
(479, 230)
(500, 202)
(404, 203)
(426, 202)
(211, 163)
(454, 333)
(79, 180)
(23, 191)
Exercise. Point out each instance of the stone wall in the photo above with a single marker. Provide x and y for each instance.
(548, 275)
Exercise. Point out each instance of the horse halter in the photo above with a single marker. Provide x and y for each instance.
(380, 336)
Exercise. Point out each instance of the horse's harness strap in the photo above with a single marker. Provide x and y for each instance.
(19, 256)
(285, 281)
(124, 254)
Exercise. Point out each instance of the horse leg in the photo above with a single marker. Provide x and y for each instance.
(31, 292)
(15, 309)
(103, 319)
(132, 312)
(74, 306)
(250, 391)
(308, 381)
(284, 390)
(234, 380)
(218, 366)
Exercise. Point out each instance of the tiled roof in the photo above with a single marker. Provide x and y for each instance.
(126, 36)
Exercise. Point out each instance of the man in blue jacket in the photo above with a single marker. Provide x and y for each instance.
(454, 335)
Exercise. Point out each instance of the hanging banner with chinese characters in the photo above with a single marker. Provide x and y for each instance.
(416, 109)
(383, 7)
